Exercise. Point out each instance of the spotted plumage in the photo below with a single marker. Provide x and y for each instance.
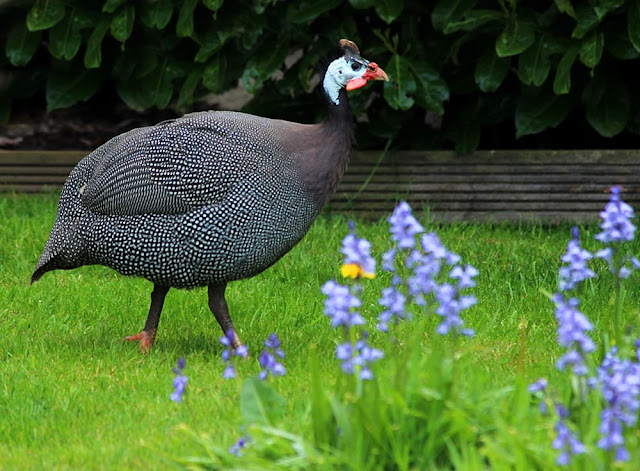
(202, 200)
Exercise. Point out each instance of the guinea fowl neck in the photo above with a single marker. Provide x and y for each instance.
(333, 140)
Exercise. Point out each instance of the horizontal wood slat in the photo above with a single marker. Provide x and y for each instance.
(519, 185)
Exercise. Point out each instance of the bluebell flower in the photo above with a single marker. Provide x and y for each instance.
(572, 334)
(229, 353)
(240, 445)
(566, 442)
(450, 305)
(357, 254)
(464, 276)
(362, 355)
(179, 381)
(268, 359)
(616, 220)
(404, 226)
(620, 385)
(576, 271)
(432, 245)
(340, 305)
(388, 260)
(538, 386)
(394, 302)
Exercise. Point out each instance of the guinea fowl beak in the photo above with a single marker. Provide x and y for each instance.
(374, 72)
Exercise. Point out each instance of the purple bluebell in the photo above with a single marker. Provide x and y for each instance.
(616, 220)
(240, 445)
(340, 305)
(538, 386)
(179, 381)
(388, 260)
(572, 334)
(362, 355)
(450, 305)
(394, 303)
(268, 359)
(576, 259)
(566, 442)
(358, 251)
(620, 385)
(229, 353)
(464, 276)
(404, 226)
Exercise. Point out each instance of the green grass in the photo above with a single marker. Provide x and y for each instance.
(74, 395)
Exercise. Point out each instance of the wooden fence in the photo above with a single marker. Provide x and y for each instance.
(546, 186)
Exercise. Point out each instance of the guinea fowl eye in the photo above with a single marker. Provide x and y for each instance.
(356, 66)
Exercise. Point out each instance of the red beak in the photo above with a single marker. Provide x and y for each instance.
(374, 72)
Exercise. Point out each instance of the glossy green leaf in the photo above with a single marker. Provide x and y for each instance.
(122, 23)
(188, 88)
(633, 23)
(607, 101)
(263, 64)
(112, 5)
(45, 14)
(604, 7)
(448, 11)
(65, 39)
(22, 44)
(389, 10)
(184, 26)
(93, 53)
(491, 70)
(157, 14)
(534, 64)
(591, 48)
(562, 80)
(540, 110)
(402, 84)
(565, 6)
(473, 20)
(69, 83)
(516, 38)
(587, 20)
(210, 43)
(259, 404)
(308, 10)
(214, 74)
(431, 91)
(213, 5)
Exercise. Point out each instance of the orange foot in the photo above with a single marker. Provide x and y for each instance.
(145, 338)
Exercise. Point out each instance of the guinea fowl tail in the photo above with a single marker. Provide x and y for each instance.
(45, 264)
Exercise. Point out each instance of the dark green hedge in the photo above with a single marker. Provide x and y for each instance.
(457, 67)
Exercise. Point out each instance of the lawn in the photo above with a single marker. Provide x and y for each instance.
(73, 395)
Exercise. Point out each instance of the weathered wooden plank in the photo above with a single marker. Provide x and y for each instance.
(480, 169)
(36, 157)
(475, 187)
(489, 196)
(606, 157)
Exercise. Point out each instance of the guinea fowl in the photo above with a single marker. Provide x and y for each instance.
(205, 199)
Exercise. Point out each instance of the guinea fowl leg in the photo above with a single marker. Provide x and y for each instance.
(219, 308)
(148, 334)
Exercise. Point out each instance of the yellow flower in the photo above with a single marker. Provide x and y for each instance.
(353, 270)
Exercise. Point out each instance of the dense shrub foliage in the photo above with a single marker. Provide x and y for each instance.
(458, 68)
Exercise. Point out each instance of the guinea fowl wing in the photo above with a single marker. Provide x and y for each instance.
(177, 166)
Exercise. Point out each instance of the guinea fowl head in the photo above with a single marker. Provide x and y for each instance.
(350, 71)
